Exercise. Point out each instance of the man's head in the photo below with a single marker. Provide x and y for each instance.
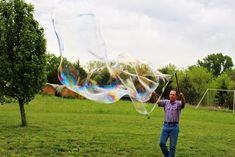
(173, 95)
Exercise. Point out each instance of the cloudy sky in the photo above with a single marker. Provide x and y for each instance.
(162, 32)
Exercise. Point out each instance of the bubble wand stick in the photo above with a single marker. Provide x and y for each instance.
(177, 84)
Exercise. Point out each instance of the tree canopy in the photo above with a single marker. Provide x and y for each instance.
(22, 53)
(216, 63)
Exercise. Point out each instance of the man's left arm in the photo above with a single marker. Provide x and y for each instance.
(183, 101)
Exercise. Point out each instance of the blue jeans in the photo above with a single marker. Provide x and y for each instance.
(172, 131)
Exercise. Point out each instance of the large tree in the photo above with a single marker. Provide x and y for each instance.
(22, 53)
(216, 63)
(198, 80)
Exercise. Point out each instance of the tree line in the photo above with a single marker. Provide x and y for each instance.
(25, 66)
(214, 71)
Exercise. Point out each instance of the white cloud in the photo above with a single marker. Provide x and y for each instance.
(160, 31)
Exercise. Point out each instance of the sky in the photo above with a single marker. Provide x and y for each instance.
(161, 32)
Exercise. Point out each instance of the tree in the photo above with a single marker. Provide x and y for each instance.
(231, 74)
(223, 97)
(169, 69)
(103, 78)
(187, 88)
(199, 80)
(81, 72)
(22, 53)
(216, 63)
(52, 65)
(92, 66)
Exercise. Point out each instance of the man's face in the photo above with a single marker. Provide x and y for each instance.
(172, 95)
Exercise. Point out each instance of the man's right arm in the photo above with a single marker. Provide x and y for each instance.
(161, 103)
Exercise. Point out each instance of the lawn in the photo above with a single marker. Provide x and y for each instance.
(69, 127)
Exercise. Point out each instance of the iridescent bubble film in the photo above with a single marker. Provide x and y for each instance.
(107, 77)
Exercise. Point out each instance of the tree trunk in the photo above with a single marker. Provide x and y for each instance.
(22, 113)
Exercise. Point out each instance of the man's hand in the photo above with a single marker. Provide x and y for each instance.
(181, 95)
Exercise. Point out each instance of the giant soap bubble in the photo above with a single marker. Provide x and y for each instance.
(109, 77)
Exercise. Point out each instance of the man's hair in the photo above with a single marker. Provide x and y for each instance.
(176, 92)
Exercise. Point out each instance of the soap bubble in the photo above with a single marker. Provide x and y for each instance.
(107, 78)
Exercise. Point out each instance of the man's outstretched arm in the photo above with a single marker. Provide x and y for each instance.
(183, 101)
(161, 103)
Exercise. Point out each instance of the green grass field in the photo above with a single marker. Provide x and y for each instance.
(68, 127)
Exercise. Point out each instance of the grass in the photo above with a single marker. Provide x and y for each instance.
(68, 127)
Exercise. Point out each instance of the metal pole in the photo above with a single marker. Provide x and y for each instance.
(233, 102)
(201, 99)
(208, 96)
(228, 90)
(218, 90)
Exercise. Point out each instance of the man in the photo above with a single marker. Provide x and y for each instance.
(172, 108)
